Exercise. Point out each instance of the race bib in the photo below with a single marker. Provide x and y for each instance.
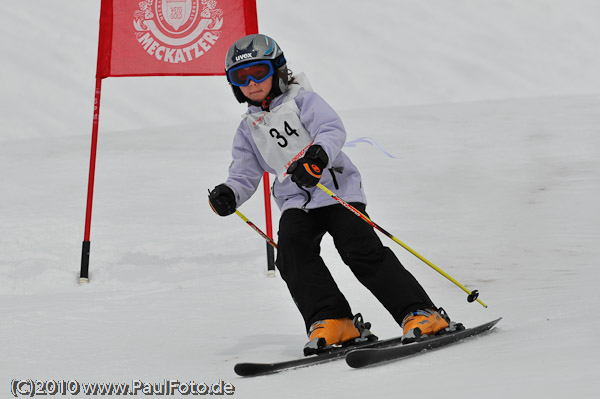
(279, 135)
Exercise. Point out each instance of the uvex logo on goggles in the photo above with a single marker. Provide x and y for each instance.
(257, 71)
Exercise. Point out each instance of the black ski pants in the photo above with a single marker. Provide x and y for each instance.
(309, 281)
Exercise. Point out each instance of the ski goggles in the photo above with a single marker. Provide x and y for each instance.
(257, 71)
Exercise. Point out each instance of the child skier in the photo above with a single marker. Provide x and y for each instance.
(291, 132)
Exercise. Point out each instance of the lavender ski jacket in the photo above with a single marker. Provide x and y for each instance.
(327, 130)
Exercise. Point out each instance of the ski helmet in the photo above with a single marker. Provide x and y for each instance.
(254, 48)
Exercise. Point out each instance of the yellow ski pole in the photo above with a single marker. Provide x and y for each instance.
(473, 295)
(259, 231)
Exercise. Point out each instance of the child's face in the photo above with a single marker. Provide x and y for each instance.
(258, 91)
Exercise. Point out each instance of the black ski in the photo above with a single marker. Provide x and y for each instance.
(336, 353)
(363, 357)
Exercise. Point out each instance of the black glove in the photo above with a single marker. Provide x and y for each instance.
(222, 200)
(307, 171)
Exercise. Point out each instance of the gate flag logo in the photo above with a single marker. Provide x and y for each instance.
(176, 12)
(173, 31)
(170, 37)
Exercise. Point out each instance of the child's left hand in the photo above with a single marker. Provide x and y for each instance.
(307, 171)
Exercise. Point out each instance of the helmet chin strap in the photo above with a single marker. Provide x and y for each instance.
(264, 105)
(267, 103)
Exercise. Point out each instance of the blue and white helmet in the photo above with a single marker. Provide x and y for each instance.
(253, 48)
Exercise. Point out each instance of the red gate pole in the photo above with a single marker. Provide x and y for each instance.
(85, 252)
(270, 249)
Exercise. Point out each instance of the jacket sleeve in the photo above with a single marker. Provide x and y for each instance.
(245, 170)
(322, 122)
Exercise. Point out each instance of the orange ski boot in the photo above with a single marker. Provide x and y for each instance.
(326, 333)
(423, 322)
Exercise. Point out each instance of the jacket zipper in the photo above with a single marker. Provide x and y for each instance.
(335, 182)
(309, 198)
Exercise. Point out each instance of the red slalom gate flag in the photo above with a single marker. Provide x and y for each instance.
(170, 37)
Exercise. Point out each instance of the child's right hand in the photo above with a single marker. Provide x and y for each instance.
(222, 200)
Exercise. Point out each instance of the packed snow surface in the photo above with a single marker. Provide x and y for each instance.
(492, 109)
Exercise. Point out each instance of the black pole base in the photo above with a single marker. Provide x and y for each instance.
(270, 260)
(85, 263)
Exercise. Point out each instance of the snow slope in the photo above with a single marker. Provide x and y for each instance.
(493, 109)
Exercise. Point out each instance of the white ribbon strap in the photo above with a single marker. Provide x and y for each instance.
(371, 141)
